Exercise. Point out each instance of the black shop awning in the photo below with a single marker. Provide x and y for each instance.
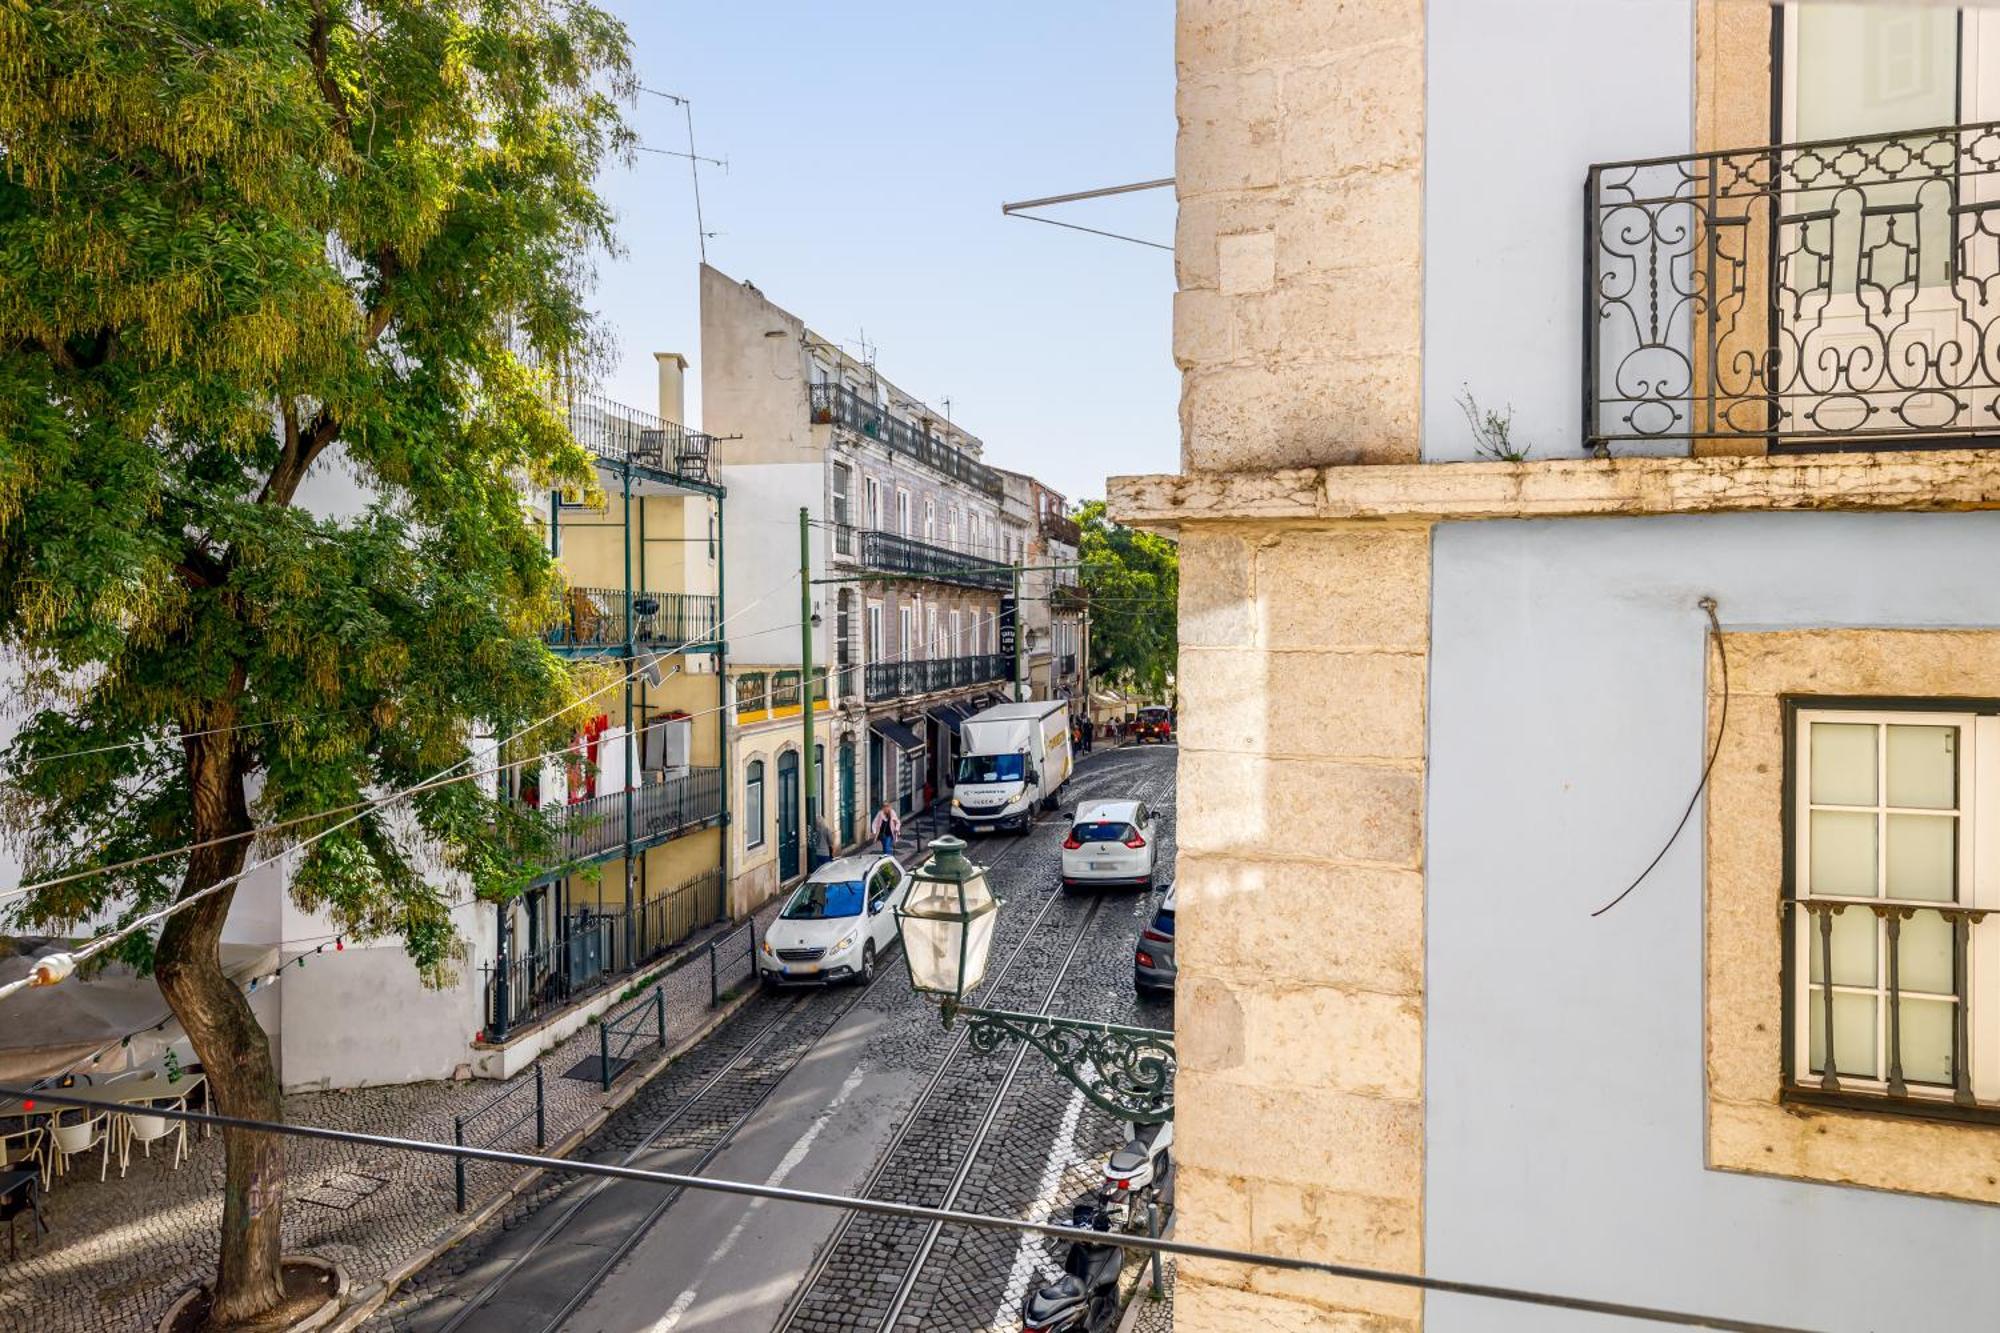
(896, 734)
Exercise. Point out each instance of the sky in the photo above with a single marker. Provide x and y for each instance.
(870, 146)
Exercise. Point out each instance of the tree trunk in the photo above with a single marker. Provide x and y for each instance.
(235, 1055)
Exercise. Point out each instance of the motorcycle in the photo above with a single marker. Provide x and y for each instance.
(1085, 1298)
(1138, 1174)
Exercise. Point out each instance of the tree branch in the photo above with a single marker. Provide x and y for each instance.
(329, 87)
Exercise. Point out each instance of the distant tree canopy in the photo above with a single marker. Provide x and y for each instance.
(1134, 582)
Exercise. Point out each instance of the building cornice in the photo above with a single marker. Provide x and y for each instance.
(1929, 480)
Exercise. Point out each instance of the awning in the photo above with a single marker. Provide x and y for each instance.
(897, 734)
(948, 714)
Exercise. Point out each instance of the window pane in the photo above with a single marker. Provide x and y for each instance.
(1923, 767)
(1843, 854)
(1923, 955)
(1853, 1033)
(1927, 1040)
(1923, 857)
(1843, 763)
(1870, 69)
(1855, 932)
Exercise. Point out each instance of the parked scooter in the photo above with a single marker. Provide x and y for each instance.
(1140, 1174)
(1085, 1298)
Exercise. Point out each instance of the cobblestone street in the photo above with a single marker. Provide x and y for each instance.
(119, 1251)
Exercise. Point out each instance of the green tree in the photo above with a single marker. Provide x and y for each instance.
(245, 242)
(1133, 580)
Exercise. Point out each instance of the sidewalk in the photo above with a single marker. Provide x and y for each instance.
(120, 1251)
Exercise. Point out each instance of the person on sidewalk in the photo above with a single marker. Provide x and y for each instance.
(887, 827)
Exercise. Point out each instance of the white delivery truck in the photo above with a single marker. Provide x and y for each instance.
(1013, 758)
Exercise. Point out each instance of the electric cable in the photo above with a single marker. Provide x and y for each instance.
(1722, 651)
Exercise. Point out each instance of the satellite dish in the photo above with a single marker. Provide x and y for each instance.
(651, 672)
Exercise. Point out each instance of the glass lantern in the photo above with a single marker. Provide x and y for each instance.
(946, 922)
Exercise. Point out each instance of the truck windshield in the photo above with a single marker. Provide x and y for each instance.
(817, 902)
(991, 768)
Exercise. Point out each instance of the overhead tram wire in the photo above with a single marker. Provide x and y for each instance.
(920, 1213)
(566, 752)
(62, 965)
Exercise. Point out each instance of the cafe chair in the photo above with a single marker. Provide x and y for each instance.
(28, 1146)
(146, 1129)
(77, 1139)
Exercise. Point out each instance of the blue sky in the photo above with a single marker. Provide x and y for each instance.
(870, 146)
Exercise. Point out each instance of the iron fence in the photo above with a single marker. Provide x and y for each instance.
(839, 405)
(594, 828)
(615, 618)
(902, 680)
(539, 981)
(621, 434)
(893, 553)
(490, 1135)
(1826, 295)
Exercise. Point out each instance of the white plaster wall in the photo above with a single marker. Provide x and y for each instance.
(1522, 97)
(1563, 1073)
(761, 560)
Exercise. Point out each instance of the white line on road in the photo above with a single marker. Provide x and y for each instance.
(1061, 1153)
(790, 1163)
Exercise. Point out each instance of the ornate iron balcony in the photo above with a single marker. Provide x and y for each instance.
(1840, 294)
(893, 553)
(1062, 528)
(594, 828)
(836, 404)
(621, 434)
(904, 680)
(604, 618)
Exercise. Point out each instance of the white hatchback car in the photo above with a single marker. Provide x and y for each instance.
(838, 924)
(1110, 842)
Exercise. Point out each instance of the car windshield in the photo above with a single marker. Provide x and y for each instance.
(990, 768)
(1164, 921)
(1102, 832)
(818, 902)
(1152, 715)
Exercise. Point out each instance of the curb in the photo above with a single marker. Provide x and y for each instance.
(372, 1297)
(1136, 1299)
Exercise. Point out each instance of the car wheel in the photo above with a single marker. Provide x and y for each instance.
(868, 962)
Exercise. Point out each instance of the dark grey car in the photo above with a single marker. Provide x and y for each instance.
(1153, 960)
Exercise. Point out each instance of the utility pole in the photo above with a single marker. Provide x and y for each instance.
(1016, 663)
(808, 774)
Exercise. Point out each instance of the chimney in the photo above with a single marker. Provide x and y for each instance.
(673, 386)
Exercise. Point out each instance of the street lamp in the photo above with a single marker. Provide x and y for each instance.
(947, 922)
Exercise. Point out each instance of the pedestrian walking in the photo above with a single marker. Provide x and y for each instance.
(1089, 734)
(887, 827)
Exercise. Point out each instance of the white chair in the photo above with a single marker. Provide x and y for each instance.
(146, 1129)
(30, 1145)
(77, 1139)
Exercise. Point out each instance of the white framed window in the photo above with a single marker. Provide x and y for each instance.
(905, 619)
(843, 507)
(1895, 860)
(957, 629)
(930, 520)
(903, 511)
(874, 494)
(753, 804)
(931, 632)
(873, 644)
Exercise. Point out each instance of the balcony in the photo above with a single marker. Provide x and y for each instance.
(906, 680)
(620, 434)
(604, 619)
(1833, 295)
(1062, 528)
(893, 553)
(836, 404)
(593, 829)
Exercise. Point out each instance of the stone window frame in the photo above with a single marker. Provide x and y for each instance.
(1751, 1125)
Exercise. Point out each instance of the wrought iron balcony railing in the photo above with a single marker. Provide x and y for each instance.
(1836, 294)
(612, 618)
(903, 680)
(594, 828)
(840, 405)
(893, 553)
(1062, 528)
(621, 434)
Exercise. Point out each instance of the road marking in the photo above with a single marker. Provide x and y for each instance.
(667, 1322)
(1061, 1153)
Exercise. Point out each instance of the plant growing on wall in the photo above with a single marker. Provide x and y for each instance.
(245, 243)
(1132, 580)
(1492, 432)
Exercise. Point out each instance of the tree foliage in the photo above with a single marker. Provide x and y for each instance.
(1133, 580)
(254, 252)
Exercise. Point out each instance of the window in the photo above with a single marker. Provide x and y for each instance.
(902, 511)
(785, 690)
(930, 520)
(1888, 932)
(882, 884)
(903, 634)
(874, 495)
(932, 647)
(843, 505)
(843, 638)
(873, 644)
(957, 631)
(750, 692)
(753, 805)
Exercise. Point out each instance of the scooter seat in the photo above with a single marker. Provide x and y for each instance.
(1128, 1161)
(1050, 1302)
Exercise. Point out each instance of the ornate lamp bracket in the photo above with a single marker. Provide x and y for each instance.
(1125, 1071)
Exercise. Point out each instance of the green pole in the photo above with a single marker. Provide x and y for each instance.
(630, 656)
(1015, 668)
(807, 777)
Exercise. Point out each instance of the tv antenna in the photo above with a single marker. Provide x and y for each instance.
(694, 161)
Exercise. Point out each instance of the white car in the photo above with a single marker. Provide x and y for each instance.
(1110, 842)
(838, 924)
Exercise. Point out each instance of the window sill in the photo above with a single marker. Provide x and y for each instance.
(1901, 1108)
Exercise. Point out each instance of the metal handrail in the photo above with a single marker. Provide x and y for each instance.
(836, 404)
(894, 553)
(619, 433)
